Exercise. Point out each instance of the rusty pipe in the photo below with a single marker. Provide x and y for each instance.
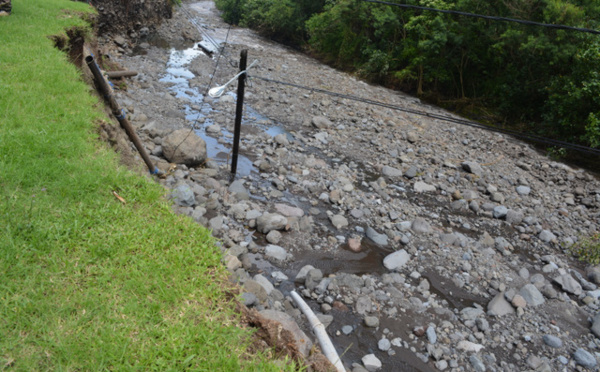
(118, 112)
(119, 74)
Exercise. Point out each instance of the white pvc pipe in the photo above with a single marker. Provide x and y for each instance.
(319, 331)
(217, 92)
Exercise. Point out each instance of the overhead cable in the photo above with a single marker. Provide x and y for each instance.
(493, 18)
(526, 136)
(206, 36)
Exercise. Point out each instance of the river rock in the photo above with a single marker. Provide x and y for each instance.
(411, 172)
(547, 236)
(472, 167)
(470, 313)
(421, 186)
(276, 252)
(264, 282)
(237, 188)
(248, 298)
(321, 122)
(396, 260)
(568, 284)
(499, 306)
(584, 358)
(477, 364)
(532, 295)
(371, 363)
(377, 238)
(384, 344)
(552, 341)
(313, 277)
(469, 346)
(287, 322)
(523, 190)
(281, 139)
(354, 244)
(372, 321)
(593, 274)
(338, 221)
(513, 217)
(596, 325)
(412, 137)
(391, 172)
(288, 210)
(420, 225)
(183, 195)
(183, 146)
(232, 262)
(252, 286)
(274, 237)
(500, 212)
(431, 335)
(270, 221)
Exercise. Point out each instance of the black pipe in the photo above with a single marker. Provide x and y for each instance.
(106, 91)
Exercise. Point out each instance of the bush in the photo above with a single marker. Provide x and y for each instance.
(588, 249)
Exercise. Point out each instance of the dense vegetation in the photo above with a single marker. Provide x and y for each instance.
(546, 80)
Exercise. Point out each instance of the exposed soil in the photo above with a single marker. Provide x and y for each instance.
(128, 17)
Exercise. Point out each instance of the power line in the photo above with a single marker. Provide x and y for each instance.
(493, 18)
(526, 136)
(206, 35)
(221, 53)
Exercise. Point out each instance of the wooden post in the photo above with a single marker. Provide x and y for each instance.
(239, 110)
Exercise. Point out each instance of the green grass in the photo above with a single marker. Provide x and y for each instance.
(86, 282)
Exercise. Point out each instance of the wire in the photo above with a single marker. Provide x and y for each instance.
(493, 18)
(221, 52)
(206, 36)
(526, 136)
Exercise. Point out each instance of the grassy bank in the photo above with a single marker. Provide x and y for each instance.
(88, 282)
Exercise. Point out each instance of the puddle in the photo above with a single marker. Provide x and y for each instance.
(342, 259)
(178, 75)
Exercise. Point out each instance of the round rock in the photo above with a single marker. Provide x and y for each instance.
(584, 358)
(183, 146)
(552, 341)
(384, 344)
(371, 362)
(372, 321)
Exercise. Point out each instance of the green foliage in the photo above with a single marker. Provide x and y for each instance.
(574, 99)
(281, 20)
(588, 250)
(545, 78)
(232, 10)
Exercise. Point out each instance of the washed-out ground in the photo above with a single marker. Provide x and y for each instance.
(422, 245)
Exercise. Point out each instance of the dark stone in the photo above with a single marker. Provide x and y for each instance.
(5, 7)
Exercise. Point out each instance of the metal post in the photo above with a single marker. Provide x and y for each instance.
(239, 110)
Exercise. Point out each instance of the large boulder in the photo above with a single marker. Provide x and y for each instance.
(270, 221)
(287, 333)
(183, 146)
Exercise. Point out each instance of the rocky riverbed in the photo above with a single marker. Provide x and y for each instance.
(421, 244)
